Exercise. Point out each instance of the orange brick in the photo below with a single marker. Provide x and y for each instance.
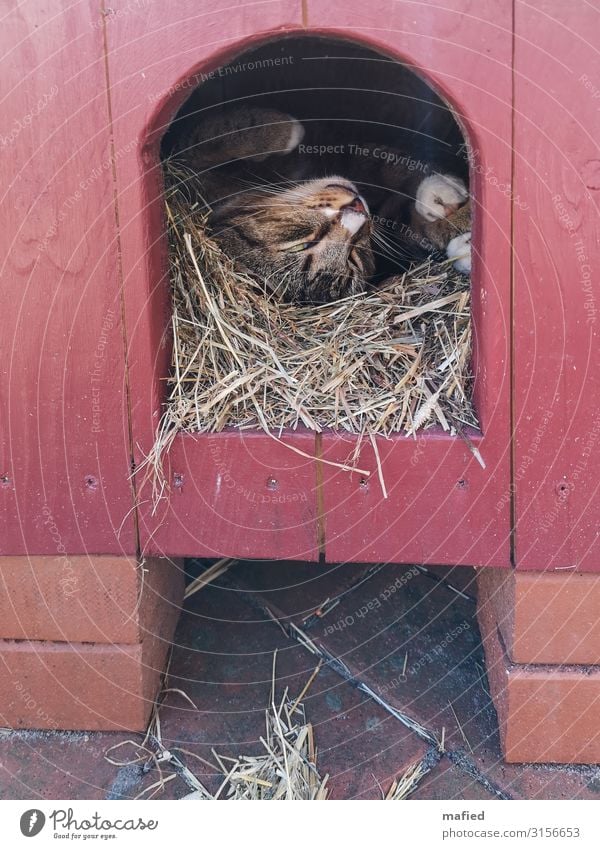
(544, 617)
(547, 714)
(93, 686)
(95, 599)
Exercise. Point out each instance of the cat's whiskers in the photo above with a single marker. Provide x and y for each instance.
(282, 284)
(270, 188)
(386, 245)
(388, 248)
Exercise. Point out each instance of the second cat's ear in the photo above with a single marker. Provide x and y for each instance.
(276, 134)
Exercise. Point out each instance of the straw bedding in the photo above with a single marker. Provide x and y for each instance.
(393, 359)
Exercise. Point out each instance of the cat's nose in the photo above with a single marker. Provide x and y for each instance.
(353, 215)
(346, 197)
(357, 204)
(352, 219)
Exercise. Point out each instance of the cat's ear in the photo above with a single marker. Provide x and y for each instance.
(439, 195)
(296, 134)
(237, 134)
(272, 133)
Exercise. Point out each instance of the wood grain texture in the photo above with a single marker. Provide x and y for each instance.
(557, 263)
(464, 50)
(156, 54)
(64, 461)
(436, 509)
(236, 495)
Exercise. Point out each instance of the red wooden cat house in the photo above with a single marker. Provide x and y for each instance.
(91, 578)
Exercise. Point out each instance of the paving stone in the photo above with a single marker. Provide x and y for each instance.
(84, 599)
(417, 618)
(59, 685)
(59, 765)
(300, 590)
(546, 713)
(225, 667)
(447, 782)
(401, 617)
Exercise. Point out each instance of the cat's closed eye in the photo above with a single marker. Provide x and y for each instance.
(303, 246)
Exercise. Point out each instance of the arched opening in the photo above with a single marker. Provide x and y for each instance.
(373, 121)
(332, 82)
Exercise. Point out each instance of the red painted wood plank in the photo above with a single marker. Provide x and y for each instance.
(557, 355)
(236, 494)
(156, 53)
(65, 453)
(464, 50)
(439, 507)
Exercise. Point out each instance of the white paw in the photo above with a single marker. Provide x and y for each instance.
(439, 195)
(459, 249)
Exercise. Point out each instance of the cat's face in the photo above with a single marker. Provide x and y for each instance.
(308, 243)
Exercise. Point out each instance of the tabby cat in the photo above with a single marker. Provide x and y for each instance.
(309, 235)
